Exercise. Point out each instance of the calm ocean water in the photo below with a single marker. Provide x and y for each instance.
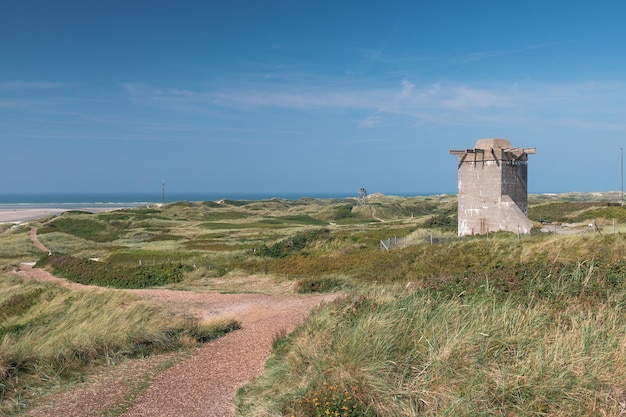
(111, 200)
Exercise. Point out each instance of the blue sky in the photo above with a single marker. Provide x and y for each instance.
(306, 97)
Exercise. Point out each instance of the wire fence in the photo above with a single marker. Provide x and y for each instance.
(402, 242)
(434, 240)
(391, 242)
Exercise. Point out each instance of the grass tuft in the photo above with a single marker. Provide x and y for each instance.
(49, 335)
(493, 350)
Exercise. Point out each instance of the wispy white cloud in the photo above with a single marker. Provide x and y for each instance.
(466, 99)
(481, 55)
(370, 121)
(407, 88)
(431, 103)
(434, 103)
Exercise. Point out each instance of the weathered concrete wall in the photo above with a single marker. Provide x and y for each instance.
(493, 188)
(515, 182)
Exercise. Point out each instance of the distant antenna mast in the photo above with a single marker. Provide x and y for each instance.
(621, 195)
(163, 191)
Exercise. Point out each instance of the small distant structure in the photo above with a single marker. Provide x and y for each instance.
(362, 196)
(493, 188)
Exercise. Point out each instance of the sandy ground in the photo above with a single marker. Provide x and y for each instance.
(23, 215)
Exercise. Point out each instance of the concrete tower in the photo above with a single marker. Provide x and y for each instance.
(493, 188)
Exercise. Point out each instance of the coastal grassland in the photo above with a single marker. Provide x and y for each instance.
(52, 336)
(16, 244)
(438, 325)
(496, 325)
(554, 345)
(128, 239)
(604, 208)
(315, 254)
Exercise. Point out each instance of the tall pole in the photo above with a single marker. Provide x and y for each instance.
(163, 191)
(621, 198)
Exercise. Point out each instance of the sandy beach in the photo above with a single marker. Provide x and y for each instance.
(19, 215)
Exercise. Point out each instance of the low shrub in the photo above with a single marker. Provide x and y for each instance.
(332, 400)
(105, 274)
(441, 221)
(318, 284)
(89, 229)
(293, 244)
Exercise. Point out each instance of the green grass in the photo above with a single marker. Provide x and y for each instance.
(16, 244)
(86, 228)
(114, 275)
(494, 352)
(50, 335)
(137, 256)
(576, 211)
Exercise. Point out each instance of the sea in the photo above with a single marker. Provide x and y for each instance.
(76, 201)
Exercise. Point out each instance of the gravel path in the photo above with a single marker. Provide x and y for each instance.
(204, 384)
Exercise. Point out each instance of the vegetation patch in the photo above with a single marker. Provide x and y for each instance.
(16, 304)
(304, 220)
(443, 222)
(261, 224)
(495, 348)
(293, 244)
(613, 212)
(89, 229)
(332, 400)
(162, 238)
(148, 257)
(55, 335)
(215, 245)
(134, 214)
(563, 211)
(318, 284)
(106, 274)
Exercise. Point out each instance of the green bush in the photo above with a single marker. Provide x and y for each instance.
(89, 229)
(105, 274)
(318, 284)
(293, 244)
(441, 221)
(343, 212)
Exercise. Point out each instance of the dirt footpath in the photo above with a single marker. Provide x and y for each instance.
(202, 385)
(206, 383)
